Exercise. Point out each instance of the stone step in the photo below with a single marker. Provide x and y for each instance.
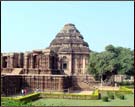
(16, 71)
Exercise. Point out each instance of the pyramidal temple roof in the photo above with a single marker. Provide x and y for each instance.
(69, 40)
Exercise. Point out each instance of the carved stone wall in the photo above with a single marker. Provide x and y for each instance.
(35, 62)
(67, 54)
(42, 82)
(11, 60)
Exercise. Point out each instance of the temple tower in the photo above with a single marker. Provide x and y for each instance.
(72, 50)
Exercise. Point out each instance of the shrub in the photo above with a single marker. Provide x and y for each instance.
(105, 98)
(110, 95)
(120, 96)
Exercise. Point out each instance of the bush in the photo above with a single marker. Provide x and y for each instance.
(105, 99)
(120, 96)
(110, 95)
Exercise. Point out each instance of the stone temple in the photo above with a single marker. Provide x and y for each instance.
(72, 50)
(62, 66)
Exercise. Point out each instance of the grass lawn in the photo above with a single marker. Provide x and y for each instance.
(129, 101)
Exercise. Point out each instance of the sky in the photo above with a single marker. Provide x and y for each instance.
(30, 25)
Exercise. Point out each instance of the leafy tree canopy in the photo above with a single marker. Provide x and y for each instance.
(115, 60)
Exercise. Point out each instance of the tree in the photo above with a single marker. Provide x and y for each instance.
(126, 59)
(114, 60)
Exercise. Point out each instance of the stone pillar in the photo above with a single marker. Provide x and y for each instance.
(40, 61)
(48, 61)
(43, 60)
(60, 63)
(31, 61)
(26, 60)
(70, 65)
(8, 61)
(84, 65)
(60, 84)
(15, 60)
(12, 61)
(78, 67)
(75, 65)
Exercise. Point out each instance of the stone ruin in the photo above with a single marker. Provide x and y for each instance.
(54, 68)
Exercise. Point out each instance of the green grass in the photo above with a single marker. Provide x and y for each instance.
(10, 102)
(129, 101)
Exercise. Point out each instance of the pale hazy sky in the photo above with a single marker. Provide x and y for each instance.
(33, 25)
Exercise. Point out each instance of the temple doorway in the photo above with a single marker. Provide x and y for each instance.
(5, 62)
(35, 61)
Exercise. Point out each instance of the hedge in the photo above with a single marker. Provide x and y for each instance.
(94, 96)
(69, 96)
(122, 89)
(95, 93)
(29, 97)
(25, 98)
(6, 98)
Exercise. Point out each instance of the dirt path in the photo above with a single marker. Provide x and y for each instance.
(108, 88)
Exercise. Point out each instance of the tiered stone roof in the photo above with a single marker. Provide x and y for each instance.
(69, 40)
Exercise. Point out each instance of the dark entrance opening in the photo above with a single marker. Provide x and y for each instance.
(34, 61)
(4, 62)
(65, 66)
